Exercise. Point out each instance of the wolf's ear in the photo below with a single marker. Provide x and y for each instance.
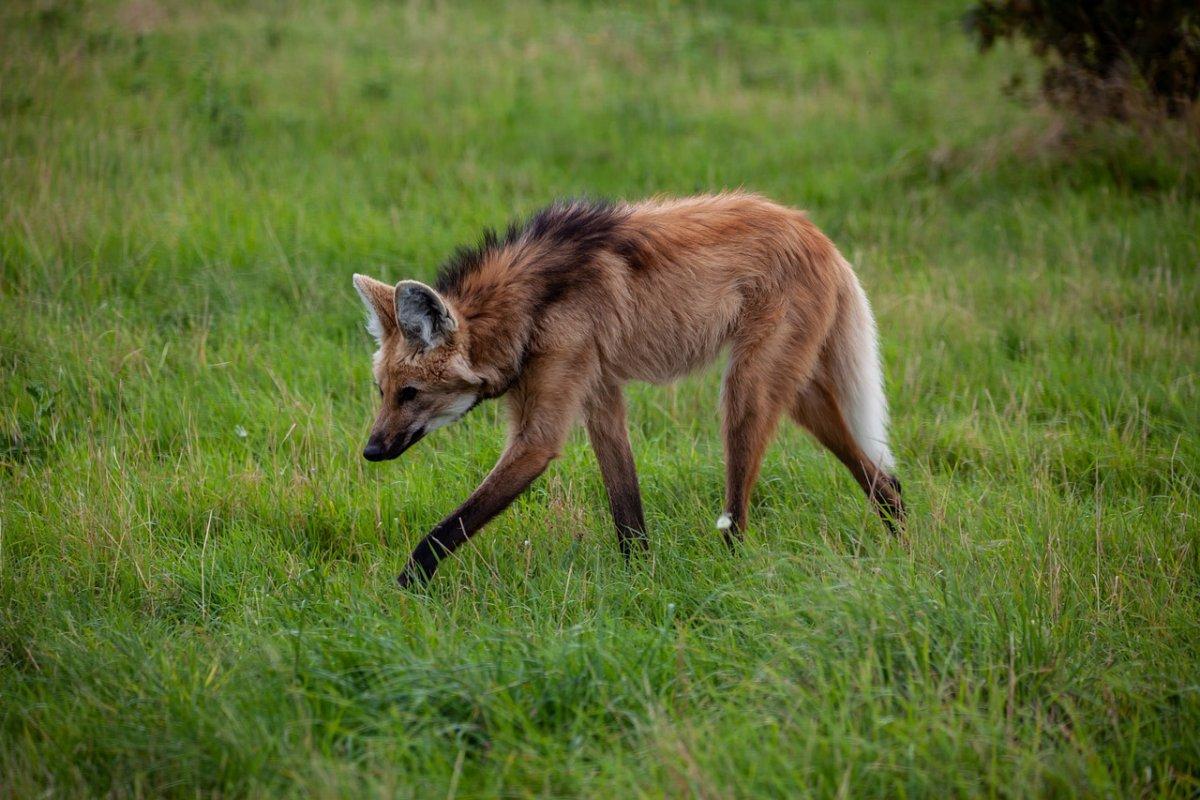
(422, 315)
(381, 309)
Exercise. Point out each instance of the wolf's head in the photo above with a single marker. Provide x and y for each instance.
(421, 367)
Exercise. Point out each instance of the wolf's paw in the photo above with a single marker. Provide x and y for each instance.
(729, 531)
(411, 578)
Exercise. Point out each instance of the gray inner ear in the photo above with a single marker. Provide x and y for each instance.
(421, 315)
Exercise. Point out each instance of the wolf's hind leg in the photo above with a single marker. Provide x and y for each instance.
(747, 431)
(817, 409)
(766, 362)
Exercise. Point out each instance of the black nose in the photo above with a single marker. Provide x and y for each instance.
(374, 451)
(378, 450)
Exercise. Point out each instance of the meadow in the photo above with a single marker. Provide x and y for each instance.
(197, 567)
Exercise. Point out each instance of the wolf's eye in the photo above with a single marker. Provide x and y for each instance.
(406, 394)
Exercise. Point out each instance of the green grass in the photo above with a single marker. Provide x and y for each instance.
(196, 566)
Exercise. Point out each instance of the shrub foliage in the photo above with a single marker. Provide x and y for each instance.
(1103, 56)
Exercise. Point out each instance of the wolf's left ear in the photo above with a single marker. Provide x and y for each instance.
(422, 315)
(381, 309)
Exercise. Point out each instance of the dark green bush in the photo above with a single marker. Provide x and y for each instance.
(1104, 57)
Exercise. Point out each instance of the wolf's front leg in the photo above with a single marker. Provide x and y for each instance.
(542, 407)
(516, 469)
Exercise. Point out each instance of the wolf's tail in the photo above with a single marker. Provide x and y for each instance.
(853, 364)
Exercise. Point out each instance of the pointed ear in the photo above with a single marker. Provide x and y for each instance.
(422, 315)
(381, 309)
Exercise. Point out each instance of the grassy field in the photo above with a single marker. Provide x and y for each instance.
(196, 565)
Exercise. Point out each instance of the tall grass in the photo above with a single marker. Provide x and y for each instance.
(196, 567)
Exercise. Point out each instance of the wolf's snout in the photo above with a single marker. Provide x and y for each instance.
(378, 450)
(374, 451)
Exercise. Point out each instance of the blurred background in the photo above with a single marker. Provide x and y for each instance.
(195, 565)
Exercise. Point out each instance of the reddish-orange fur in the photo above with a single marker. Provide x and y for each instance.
(559, 315)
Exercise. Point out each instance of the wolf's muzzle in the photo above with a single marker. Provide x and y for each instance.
(377, 451)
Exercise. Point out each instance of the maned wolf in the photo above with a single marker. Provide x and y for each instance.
(564, 309)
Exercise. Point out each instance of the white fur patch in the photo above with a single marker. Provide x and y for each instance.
(374, 326)
(452, 413)
(860, 381)
(724, 522)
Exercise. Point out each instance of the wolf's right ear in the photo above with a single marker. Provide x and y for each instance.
(422, 315)
(377, 296)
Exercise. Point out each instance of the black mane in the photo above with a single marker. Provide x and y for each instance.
(575, 228)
